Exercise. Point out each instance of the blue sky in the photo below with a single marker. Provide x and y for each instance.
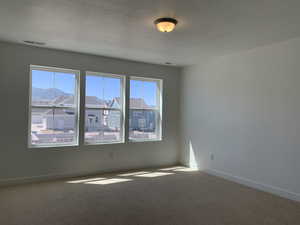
(45, 80)
(145, 90)
(102, 87)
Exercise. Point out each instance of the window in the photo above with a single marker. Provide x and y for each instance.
(104, 108)
(54, 108)
(145, 109)
(54, 99)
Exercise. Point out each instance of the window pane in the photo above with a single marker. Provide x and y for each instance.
(143, 124)
(102, 125)
(52, 88)
(53, 126)
(103, 92)
(143, 94)
(42, 87)
(65, 87)
(144, 109)
(54, 106)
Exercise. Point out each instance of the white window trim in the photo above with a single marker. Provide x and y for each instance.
(76, 108)
(159, 121)
(121, 110)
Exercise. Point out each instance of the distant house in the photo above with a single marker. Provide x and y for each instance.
(113, 117)
(140, 120)
(95, 119)
(64, 119)
(59, 119)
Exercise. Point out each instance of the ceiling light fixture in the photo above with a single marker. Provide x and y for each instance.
(165, 24)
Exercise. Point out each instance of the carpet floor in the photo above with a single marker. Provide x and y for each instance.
(167, 196)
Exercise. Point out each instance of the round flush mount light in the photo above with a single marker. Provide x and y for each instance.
(165, 24)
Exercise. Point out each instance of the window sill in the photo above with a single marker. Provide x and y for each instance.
(103, 143)
(144, 140)
(53, 146)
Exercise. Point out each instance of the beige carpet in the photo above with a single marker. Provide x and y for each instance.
(158, 197)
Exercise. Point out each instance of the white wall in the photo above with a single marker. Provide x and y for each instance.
(17, 162)
(245, 109)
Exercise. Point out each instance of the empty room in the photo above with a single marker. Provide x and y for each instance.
(161, 112)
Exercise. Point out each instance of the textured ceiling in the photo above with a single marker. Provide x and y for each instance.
(124, 28)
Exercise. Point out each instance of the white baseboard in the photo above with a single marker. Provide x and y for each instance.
(250, 183)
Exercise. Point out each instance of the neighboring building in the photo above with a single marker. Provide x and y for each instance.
(140, 120)
(59, 119)
(54, 119)
(113, 117)
(64, 119)
(95, 119)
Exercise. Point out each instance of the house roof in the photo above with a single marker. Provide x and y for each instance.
(63, 100)
(135, 103)
(60, 112)
(94, 101)
(91, 101)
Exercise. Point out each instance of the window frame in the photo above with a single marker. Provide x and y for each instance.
(76, 107)
(121, 110)
(159, 98)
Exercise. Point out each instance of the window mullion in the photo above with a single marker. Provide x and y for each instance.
(96, 108)
(53, 107)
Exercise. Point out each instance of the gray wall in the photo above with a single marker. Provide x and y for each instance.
(17, 161)
(245, 110)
